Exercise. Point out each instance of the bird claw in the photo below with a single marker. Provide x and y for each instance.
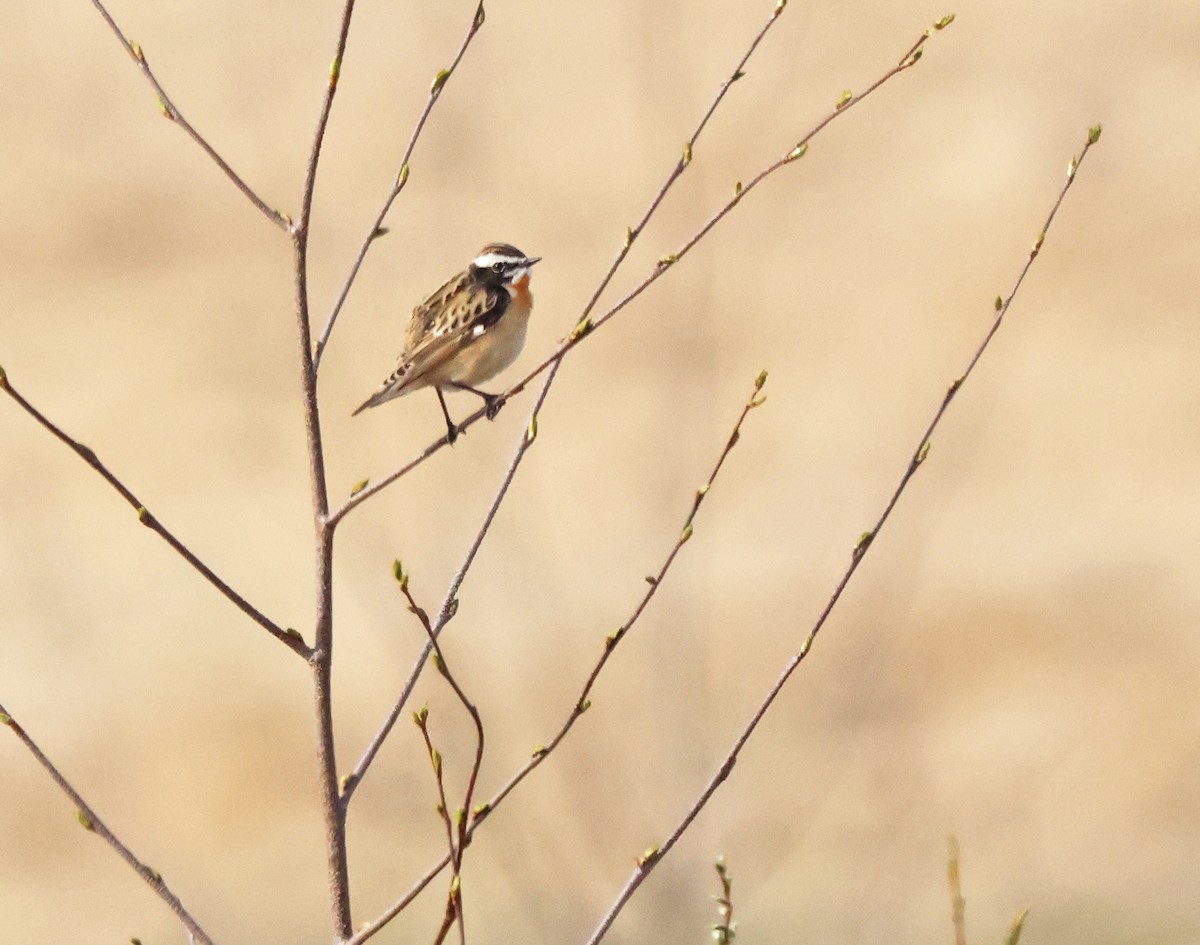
(492, 406)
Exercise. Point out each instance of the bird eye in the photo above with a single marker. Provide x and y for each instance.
(498, 267)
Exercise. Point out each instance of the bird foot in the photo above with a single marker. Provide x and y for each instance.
(492, 405)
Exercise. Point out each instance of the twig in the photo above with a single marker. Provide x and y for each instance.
(173, 114)
(454, 897)
(1016, 927)
(582, 703)
(585, 325)
(651, 859)
(321, 660)
(91, 821)
(377, 230)
(725, 931)
(288, 637)
(457, 837)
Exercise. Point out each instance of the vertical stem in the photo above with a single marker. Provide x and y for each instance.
(323, 529)
(321, 660)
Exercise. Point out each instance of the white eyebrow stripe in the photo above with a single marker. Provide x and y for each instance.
(487, 260)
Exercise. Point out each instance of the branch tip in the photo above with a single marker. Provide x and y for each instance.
(1018, 925)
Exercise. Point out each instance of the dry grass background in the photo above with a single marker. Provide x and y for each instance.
(1017, 662)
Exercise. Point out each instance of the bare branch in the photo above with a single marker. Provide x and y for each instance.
(725, 931)
(651, 859)
(582, 703)
(456, 836)
(172, 113)
(585, 324)
(91, 821)
(435, 92)
(289, 637)
(453, 897)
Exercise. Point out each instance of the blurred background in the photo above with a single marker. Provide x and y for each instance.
(1015, 663)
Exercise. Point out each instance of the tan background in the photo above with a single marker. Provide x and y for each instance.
(1017, 662)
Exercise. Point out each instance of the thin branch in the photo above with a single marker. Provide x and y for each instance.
(582, 703)
(585, 325)
(173, 114)
(725, 931)
(289, 637)
(457, 837)
(377, 230)
(321, 661)
(651, 859)
(91, 821)
(453, 897)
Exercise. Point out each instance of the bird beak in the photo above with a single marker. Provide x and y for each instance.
(530, 260)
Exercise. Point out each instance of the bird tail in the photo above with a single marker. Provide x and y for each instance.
(393, 387)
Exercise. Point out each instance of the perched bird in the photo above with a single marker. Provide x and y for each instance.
(466, 332)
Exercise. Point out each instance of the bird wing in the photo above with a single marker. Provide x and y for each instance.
(440, 327)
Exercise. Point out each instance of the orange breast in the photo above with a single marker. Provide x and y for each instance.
(520, 293)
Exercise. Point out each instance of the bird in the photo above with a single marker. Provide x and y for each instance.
(466, 332)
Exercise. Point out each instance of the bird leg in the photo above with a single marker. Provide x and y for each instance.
(492, 402)
(451, 429)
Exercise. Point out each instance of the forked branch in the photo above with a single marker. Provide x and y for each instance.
(456, 832)
(583, 702)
